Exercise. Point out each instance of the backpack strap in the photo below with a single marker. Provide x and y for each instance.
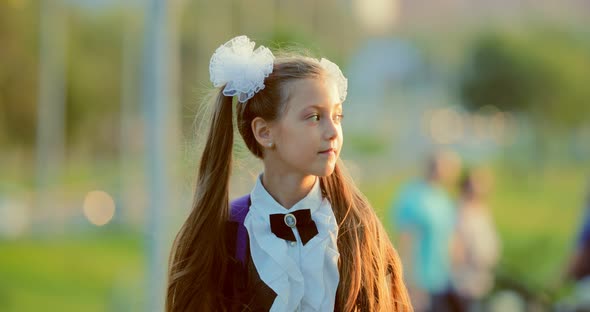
(239, 208)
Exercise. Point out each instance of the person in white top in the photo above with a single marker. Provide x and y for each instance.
(478, 245)
(305, 239)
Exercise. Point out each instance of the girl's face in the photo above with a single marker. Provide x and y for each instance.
(308, 135)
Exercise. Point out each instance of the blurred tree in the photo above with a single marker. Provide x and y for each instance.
(541, 72)
(18, 71)
(94, 80)
(285, 39)
(93, 75)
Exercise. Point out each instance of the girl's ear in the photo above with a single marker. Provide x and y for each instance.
(262, 132)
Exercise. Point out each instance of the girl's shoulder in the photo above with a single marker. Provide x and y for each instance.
(237, 234)
(239, 208)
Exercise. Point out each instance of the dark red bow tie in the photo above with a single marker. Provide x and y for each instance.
(282, 225)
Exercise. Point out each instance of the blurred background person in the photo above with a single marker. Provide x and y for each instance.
(579, 266)
(424, 216)
(477, 250)
(577, 269)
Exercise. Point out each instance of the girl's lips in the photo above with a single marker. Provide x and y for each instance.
(328, 151)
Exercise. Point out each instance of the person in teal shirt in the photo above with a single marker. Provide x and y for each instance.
(424, 218)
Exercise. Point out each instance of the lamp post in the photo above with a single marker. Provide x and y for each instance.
(155, 92)
(51, 110)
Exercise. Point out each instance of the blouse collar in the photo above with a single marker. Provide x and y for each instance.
(311, 201)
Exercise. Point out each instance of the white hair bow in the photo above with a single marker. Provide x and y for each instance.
(240, 68)
(336, 75)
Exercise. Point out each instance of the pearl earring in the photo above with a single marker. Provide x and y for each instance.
(270, 145)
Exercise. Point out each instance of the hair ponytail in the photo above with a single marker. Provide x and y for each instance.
(198, 259)
(370, 267)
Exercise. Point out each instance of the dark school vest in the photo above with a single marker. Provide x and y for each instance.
(243, 288)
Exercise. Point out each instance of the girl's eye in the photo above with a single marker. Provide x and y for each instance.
(315, 117)
(339, 117)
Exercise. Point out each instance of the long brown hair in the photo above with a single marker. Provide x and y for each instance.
(370, 269)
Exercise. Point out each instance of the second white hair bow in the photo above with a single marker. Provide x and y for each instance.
(240, 68)
(336, 75)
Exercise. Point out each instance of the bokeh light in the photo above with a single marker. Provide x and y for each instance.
(99, 207)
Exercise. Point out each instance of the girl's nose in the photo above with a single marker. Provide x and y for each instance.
(331, 129)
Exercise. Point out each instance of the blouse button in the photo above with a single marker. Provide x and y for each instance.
(293, 244)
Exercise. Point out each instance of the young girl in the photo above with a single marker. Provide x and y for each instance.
(305, 238)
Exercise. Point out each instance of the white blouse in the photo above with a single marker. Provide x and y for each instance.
(304, 277)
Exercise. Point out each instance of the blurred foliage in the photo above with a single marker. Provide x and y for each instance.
(94, 80)
(281, 39)
(540, 71)
(18, 72)
(93, 76)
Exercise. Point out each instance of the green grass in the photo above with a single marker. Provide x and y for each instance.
(538, 217)
(99, 271)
